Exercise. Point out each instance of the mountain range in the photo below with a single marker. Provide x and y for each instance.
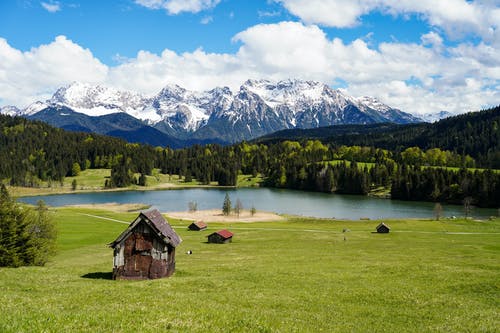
(179, 117)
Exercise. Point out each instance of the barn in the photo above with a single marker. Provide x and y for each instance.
(221, 237)
(197, 226)
(146, 249)
(383, 228)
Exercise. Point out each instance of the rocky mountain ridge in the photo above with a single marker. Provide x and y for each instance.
(259, 107)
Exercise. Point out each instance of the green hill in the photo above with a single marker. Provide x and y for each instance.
(299, 275)
(476, 134)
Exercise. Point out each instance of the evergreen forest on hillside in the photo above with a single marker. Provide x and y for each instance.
(450, 161)
(475, 133)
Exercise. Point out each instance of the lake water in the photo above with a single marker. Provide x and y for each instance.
(274, 200)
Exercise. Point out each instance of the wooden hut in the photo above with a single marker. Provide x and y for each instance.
(146, 249)
(197, 226)
(383, 228)
(221, 237)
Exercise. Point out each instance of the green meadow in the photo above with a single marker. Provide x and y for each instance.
(92, 180)
(297, 275)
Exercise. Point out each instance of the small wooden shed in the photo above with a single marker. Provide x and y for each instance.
(197, 226)
(383, 228)
(221, 237)
(146, 249)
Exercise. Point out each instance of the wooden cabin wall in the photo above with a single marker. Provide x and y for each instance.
(142, 255)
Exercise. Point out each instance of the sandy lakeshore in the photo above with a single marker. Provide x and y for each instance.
(115, 207)
(211, 215)
(215, 215)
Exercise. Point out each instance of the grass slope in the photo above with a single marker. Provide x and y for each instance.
(293, 276)
(93, 180)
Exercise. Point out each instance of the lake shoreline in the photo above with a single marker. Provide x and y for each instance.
(18, 192)
(281, 201)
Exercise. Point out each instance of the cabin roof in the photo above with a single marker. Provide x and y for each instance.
(200, 224)
(157, 222)
(223, 233)
(383, 225)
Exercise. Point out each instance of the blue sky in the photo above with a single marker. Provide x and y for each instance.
(123, 27)
(421, 57)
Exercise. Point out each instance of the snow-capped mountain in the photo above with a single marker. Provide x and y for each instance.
(179, 110)
(9, 110)
(368, 103)
(98, 100)
(433, 117)
(259, 107)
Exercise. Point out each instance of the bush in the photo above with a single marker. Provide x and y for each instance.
(27, 235)
(75, 169)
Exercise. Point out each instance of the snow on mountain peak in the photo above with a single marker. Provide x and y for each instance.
(9, 110)
(172, 91)
(96, 100)
(374, 104)
(34, 108)
(260, 106)
(286, 91)
(435, 116)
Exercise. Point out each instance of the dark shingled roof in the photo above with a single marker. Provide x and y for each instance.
(162, 225)
(157, 222)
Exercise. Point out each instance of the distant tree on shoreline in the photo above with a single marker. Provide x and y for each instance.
(226, 206)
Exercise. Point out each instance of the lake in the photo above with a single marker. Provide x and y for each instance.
(275, 200)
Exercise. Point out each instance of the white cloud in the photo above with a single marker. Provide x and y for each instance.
(335, 13)
(415, 77)
(51, 7)
(196, 70)
(285, 47)
(456, 17)
(35, 74)
(178, 6)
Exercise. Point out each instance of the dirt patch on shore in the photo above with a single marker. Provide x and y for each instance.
(215, 215)
(115, 207)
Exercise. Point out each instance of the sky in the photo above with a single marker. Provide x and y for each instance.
(419, 56)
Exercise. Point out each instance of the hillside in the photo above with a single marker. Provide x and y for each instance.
(33, 150)
(475, 133)
(286, 276)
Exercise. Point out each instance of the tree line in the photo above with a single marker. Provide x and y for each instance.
(313, 166)
(475, 133)
(32, 151)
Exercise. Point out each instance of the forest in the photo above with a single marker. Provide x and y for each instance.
(32, 152)
(475, 133)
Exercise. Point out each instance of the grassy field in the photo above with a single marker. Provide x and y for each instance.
(294, 276)
(369, 165)
(93, 180)
(361, 165)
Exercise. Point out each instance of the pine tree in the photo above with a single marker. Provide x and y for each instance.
(27, 236)
(226, 206)
(142, 180)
